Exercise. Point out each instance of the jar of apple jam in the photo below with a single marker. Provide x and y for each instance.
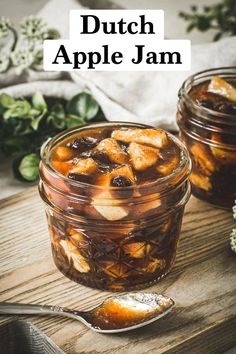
(207, 120)
(114, 195)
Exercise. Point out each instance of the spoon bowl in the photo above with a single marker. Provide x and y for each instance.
(119, 313)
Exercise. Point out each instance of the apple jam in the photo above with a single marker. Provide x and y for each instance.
(128, 311)
(114, 196)
(207, 120)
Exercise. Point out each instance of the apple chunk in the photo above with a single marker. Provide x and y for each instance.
(204, 159)
(142, 156)
(109, 207)
(112, 149)
(85, 166)
(223, 88)
(73, 254)
(167, 167)
(152, 137)
(200, 181)
(63, 153)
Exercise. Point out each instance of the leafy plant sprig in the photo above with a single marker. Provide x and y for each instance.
(220, 17)
(25, 124)
(26, 48)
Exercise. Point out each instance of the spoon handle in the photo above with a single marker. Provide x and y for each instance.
(11, 308)
(28, 309)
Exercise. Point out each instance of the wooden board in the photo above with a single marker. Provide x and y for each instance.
(202, 282)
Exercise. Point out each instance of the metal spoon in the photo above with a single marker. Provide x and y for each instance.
(118, 313)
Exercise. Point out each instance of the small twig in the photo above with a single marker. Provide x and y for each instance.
(15, 38)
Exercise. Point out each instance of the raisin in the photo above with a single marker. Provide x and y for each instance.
(101, 158)
(121, 181)
(79, 177)
(83, 143)
(228, 108)
(123, 146)
(222, 107)
(233, 109)
(206, 104)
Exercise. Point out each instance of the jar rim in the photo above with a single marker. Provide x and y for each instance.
(202, 76)
(184, 166)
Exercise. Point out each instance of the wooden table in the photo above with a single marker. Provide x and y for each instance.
(202, 282)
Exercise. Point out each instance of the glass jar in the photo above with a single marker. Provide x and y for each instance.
(210, 137)
(128, 253)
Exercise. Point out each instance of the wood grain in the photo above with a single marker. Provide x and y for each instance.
(202, 282)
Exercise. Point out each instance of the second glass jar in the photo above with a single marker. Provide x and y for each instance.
(210, 137)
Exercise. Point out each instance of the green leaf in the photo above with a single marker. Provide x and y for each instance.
(36, 120)
(190, 27)
(1, 111)
(206, 9)
(38, 101)
(58, 110)
(83, 105)
(203, 23)
(7, 114)
(6, 100)
(20, 109)
(21, 127)
(57, 116)
(13, 145)
(29, 167)
(34, 112)
(52, 33)
(217, 36)
(56, 122)
(73, 121)
(193, 8)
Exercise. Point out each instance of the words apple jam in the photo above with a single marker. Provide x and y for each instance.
(114, 195)
(104, 56)
(207, 120)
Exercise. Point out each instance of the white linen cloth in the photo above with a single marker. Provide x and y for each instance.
(144, 97)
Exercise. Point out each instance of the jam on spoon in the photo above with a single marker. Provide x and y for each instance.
(129, 311)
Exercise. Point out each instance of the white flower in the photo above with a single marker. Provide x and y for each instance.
(4, 63)
(4, 27)
(33, 28)
(233, 233)
(234, 210)
(233, 240)
(22, 59)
